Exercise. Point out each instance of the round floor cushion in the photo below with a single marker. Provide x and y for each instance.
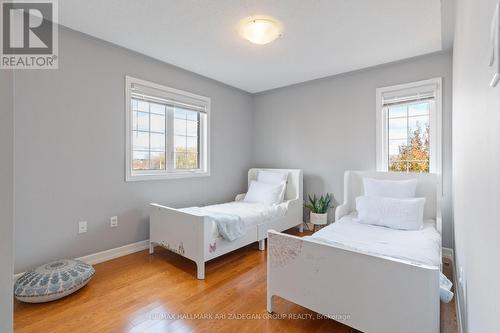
(53, 281)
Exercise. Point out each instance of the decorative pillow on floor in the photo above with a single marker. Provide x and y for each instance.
(53, 281)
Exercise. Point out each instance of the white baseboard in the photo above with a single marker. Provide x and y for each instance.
(106, 255)
(458, 297)
(457, 310)
(448, 253)
(121, 251)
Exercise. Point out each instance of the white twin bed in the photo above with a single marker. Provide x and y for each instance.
(204, 233)
(372, 278)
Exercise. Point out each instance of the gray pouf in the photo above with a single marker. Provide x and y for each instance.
(53, 281)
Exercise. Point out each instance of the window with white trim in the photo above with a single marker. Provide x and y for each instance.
(167, 132)
(409, 127)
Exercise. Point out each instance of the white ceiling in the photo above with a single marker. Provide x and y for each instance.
(321, 38)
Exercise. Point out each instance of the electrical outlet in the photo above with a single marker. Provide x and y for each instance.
(82, 227)
(113, 221)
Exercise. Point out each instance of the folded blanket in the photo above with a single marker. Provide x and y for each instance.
(230, 226)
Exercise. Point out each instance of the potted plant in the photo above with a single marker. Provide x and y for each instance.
(319, 208)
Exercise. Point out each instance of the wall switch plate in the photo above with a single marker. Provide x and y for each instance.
(82, 227)
(113, 221)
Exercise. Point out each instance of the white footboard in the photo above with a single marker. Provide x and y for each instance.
(372, 294)
(179, 232)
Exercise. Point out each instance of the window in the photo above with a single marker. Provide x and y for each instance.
(167, 132)
(409, 127)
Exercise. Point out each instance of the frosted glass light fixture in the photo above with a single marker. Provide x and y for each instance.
(260, 30)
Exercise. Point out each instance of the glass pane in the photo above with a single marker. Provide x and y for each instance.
(180, 113)
(157, 108)
(186, 160)
(192, 115)
(398, 128)
(134, 105)
(192, 160)
(140, 160)
(157, 161)
(180, 160)
(140, 140)
(397, 165)
(420, 124)
(179, 126)
(140, 121)
(397, 111)
(397, 148)
(192, 128)
(143, 106)
(419, 109)
(157, 123)
(418, 166)
(180, 143)
(408, 137)
(192, 144)
(157, 142)
(419, 138)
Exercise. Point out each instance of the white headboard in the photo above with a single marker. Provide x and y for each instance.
(428, 186)
(294, 188)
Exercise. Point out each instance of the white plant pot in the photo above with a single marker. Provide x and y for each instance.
(320, 219)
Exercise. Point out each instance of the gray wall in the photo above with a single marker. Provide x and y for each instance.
(6, 198)
(70, 151)
(69, 142)
(476, 168)
(328, 126)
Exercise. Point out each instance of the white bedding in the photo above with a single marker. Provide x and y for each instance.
(251, 213)
(419, 246)
(416, 246)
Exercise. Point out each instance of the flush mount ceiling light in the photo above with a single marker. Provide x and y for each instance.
(261, 29)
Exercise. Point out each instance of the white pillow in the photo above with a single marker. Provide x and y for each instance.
(404, 214)
(264, 193)
(390, 188)
(273, 177)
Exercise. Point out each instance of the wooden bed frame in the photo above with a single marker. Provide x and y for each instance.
(368, 292)
(191, 236)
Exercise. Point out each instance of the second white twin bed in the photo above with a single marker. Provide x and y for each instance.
(377, 268)
(273, 201)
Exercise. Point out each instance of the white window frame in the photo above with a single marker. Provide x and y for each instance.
(169, 173)
(435, 119)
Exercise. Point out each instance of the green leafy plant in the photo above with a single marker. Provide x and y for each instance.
(319, 205)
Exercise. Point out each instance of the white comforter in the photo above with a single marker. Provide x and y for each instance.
(250, 214)
(419, 247)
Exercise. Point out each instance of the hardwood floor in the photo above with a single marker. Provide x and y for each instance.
(448, 311)
(160, 293)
